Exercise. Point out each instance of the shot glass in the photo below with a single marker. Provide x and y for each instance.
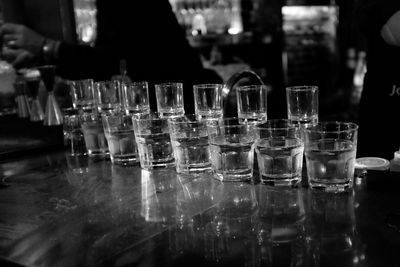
(279, 151)
(170, 99)
(189, 140)
(153, 141)
(76, 153)
(107, 96)
(208, 101)
(252, 103)
(302, 104)
(93, 132)
(82, 94)
(231, 152)
(118, 129)
(69, 125)
(330, 149)
(73, 135)
(135, 97)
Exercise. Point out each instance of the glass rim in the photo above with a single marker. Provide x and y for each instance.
(315, 128)
(301, 88)
(252, 87)
(278, 138)
(159, 85)
(191, 119)
(208, 85)
(289, 126)
(151, 116)
(135, 83)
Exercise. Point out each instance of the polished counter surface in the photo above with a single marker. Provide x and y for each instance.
(56, 210)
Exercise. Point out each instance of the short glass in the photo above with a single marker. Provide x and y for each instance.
(135, 97)
(279, 151)
(153, 141)
(82, 93)
(302, 104)
(189, 139)
(93, 132)
(118, 129)
(170, 99)
(330, 149)
(252, 103)
(231, 152)
(208, 101)
(107, 96)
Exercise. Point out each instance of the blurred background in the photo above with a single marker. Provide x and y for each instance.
(286, 42)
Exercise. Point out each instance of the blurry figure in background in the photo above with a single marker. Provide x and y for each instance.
(145, 34)
(380, 100)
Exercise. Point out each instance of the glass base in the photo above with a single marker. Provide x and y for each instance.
(98, 153)
(193, 169)
(281, 182)
(127, 160)
(330, 188)
(157, 164)
(234, 177)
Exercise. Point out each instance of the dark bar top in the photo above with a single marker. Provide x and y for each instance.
(55, 214)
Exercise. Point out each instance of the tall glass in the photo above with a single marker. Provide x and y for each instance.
(190, 144)
(231, 152)
(330, 149)
(170, 99)
(135, 97)
(252, 103)
(208, 101)
(153, 141)
(93, 132)
(279, 151)
(118, 129)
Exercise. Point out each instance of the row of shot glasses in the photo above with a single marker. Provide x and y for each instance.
(116, 119)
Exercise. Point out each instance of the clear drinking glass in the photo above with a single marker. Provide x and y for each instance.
(302, 104)
(135, 97)
(189, 140)
(153, 141)
(330, 149)
(93, 132)
(279, 151)
(107, 95)
(170, 99)
(118, 129)
(208, 101)
(82, 93)
(231, 150)
(252, 103)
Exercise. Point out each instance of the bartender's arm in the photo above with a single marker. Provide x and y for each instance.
(390, 32)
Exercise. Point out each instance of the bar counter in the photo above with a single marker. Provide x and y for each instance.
(57, 211)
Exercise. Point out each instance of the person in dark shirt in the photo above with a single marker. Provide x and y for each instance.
(145, 34)
(379, 117)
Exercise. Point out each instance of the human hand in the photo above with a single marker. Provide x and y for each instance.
(21, 45)
(16, 36)
(18, 58)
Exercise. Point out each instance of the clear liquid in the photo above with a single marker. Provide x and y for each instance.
(154, 150)
(330, 164)
(95, 140)
(122, 146)
(280, 165)
(232, 157)
(192, 154)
